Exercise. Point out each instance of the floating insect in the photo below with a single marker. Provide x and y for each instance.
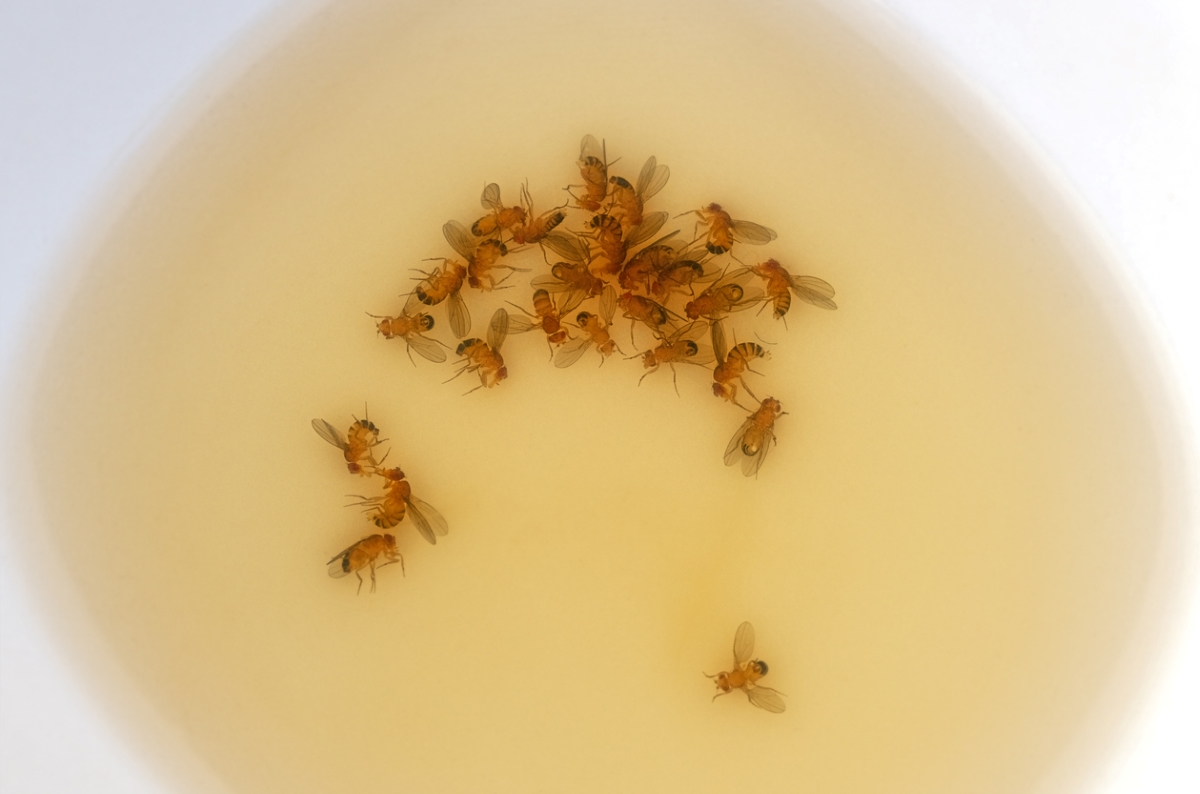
(678, 276)
(731, 366)
(593, 168)
(360, 439)
(726, 295)
(443, 284)
(484, 357)
(680, 347)
(537, 227)
(410, 328)
(397, 502)
(482, 257)
(628, 201)
(362, 555)
(754, 438)
(780, 285)
(746, 673)
(614, 243)
(545, 316)
(723, 230)
(501, 217)
(576, 281)
(594, 330)
(639, 309)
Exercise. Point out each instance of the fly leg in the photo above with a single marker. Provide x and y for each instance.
(465, 368)
(747, 388)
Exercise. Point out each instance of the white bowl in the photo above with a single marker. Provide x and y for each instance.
(955, 559)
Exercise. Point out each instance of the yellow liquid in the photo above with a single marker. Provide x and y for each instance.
(946, 557)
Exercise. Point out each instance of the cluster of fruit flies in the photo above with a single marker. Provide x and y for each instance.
(605, 254)
(385, 510)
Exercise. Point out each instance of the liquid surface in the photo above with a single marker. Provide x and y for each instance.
(943, 558)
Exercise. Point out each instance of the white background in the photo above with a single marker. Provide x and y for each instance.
(1109, 90)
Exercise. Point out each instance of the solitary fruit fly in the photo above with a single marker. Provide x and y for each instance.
(746, 672)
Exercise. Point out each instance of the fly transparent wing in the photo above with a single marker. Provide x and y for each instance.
(426, 348)
(519, 324)
(743, 643)
(735, 444)
(693, 331)
(752, 463)
(652, 178)
(766, 699)
(752, 233)
(459, 238)
(647, 228)
(663, 240)
(811, 289)
(460, 318)
(608, 303)
(339, 563)
(491, 197)
(572, 301)
(429, 521)
(572, 351)
(329, 433)
(549, 283)
(439, 524)
(742, 277)
(751, 296)
(590, 147)
(718, 339)
(704, 356)
(413, 304)
(497, 329)
(567, 246)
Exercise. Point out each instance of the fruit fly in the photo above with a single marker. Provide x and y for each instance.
(780, 285)
(484, 357)
(397, 502)
(746, 673)
(614, 243)
(410, 328)
(362, 436)
(362, 555)
(537, 227)
(482, 257)
(628, 201)
(754, 438)
(501, 217)
(681, 347)
(678, 276)
(727, 294)
(594, 330)
(593, 168)
(723, 230)
(545, 316)
(643, 310)
(443, 284)
(730, 368)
